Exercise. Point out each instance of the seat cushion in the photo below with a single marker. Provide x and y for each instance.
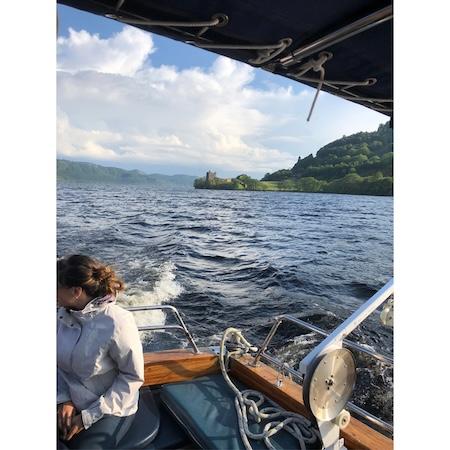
(170, 435)
(145, 425)
(205, 408)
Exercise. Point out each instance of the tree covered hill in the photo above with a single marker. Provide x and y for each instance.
(358, 164)
(362, 153)
(94, 173)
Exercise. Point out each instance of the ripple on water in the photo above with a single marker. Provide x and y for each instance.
(241, 258)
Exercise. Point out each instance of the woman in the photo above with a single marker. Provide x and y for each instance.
(100, 359)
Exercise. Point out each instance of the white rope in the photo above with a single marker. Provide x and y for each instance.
(249, 401)
(267, 55)
(266, 52)
(342, 86)
(119, 4)
(317, 66)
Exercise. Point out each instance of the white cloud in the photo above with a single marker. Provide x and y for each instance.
(115, 106)
(292, 139)
(124, 53)
(76, 142)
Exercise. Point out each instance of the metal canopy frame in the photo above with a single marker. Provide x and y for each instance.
(341, 34)
(325, 42)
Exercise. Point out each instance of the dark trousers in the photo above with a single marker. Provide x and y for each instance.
(104, 434)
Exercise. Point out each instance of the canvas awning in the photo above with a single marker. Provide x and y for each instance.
(344, 47)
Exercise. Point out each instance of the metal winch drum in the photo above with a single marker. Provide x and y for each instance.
(329, 385)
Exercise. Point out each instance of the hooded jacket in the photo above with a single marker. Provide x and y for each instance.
(100, 360)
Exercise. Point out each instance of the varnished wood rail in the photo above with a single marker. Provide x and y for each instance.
(177, 365)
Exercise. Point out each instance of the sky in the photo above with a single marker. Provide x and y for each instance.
(135, 100)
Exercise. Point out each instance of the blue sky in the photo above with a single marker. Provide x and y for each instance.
(132, 99)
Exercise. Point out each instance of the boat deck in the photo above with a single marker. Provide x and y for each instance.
(163, 369)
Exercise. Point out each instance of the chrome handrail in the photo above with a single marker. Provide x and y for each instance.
(288, 318)
(336, 337)
(182, 327)
(370, 417)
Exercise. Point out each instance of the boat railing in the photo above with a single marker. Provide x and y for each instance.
(336, 337)
(298, 376)
(308, 326)
(332, 340)
(163, 327)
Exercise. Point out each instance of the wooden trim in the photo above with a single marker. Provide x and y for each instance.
(357, 435)
(177, 365)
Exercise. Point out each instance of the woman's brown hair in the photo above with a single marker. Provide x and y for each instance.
(96, 278)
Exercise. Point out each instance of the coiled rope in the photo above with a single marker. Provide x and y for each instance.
(249, 401)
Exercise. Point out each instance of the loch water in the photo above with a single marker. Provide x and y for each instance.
(234, 258)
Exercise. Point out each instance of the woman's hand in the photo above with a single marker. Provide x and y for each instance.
(77, 426)
(66, 412)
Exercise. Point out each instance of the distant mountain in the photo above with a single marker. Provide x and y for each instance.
(95, 173)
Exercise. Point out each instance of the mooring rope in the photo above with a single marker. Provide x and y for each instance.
(249, 401)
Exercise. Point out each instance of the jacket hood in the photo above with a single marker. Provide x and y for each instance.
(95, 304)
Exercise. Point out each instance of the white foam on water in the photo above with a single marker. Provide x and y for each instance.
(306, 339)
(215, 339)
(164, 289)
(135, 264)
(367, 346)
(292, 352)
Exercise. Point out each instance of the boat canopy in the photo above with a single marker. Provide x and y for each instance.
(342, 47)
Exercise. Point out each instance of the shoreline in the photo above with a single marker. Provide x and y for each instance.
(294, 191)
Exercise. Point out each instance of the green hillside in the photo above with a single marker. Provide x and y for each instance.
(358, 164)
(74, 171)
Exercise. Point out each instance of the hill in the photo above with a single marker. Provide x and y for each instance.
(358, 164)
(94, 173)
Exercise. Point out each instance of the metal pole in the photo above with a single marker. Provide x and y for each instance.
(355, 346)
(363, 413)
(339, 35)
(267, 340)
(188, 334)
(161, 327)
(164, 23)
(308, 326)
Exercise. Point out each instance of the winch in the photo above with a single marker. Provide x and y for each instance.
(326, 390)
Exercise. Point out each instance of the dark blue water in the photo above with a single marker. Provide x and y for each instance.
(232, 258)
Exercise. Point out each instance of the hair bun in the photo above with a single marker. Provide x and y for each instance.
(96, 278)
(102, 273)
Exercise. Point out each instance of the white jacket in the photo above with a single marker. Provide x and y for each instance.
(100, 360)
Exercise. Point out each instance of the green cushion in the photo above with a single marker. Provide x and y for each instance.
(205, 408)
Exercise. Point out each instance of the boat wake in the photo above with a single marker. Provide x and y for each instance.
(155, 285)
